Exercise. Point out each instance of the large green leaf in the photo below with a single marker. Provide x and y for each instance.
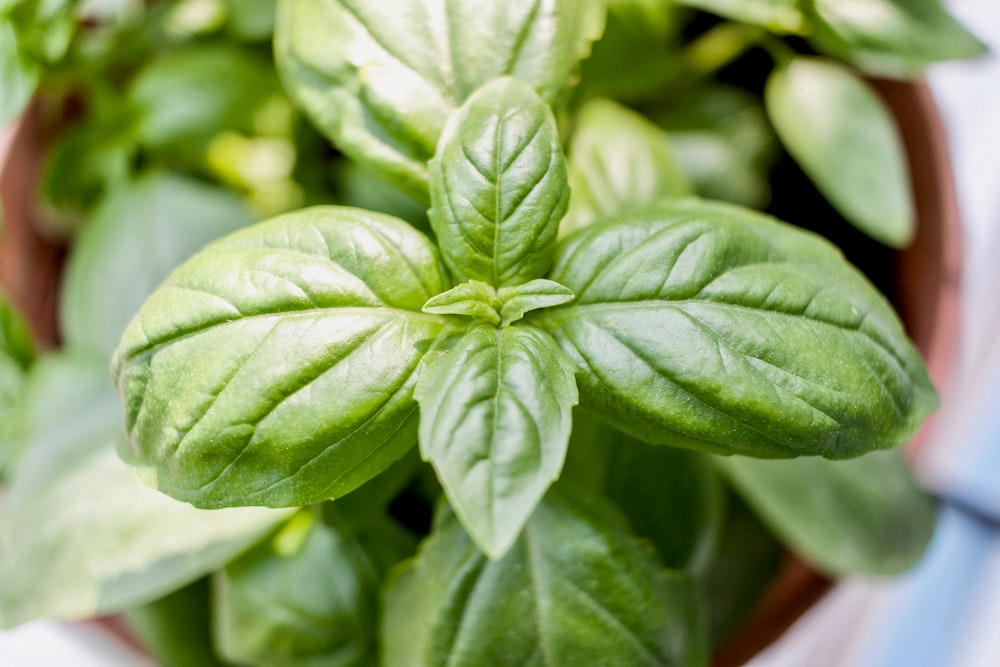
(79, 534)
(709, 326)
(669, 495)
(308, 596)
(867, 515)
(495, 420)
(890, 37)
(277, 366)
(18, 74)
(498, 186)
(576, 590)
(620, 162)
(131, 242)
(843, 137)
(380, 80)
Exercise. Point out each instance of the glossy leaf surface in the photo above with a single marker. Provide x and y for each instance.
(308, 596)
(498, 186)
(131, 242)
(495, 420)
(576, 590)
(843, 137)
(277, 366)
(80, 536)
(620, 163)
(710, 326)
(380, 80)
(891, 37)
(867, 515)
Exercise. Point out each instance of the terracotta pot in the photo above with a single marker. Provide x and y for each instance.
(927, 295)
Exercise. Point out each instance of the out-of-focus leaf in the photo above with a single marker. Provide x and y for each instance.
(18, 74)
(776, 15)
(176, 629)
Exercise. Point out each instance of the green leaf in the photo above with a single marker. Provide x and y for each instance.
(45, 28)
(252, 20)
(890, 37)
(670, 496)
(184, 98)
(276, 367)
(137, 236)
(495, 420)
(17, 353)
(498, 186)
(633, 59)
(80, 536)
(18, 74)
(16, 342)
(176, 629)
(844, 138)
(380, 81)
(576, 590)
(723, 142)
(532, 295)
(620, 163)
(308, 596)
(710, 326)
(868, 515)
(474, 299)
(776, 15)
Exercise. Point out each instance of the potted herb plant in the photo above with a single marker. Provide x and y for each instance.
(515, 375)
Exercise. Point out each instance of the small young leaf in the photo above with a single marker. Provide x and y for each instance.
(710, 326)
(131, 242)
(532, 295)
(842, 136)
(80, 536)
(498, 186)
(380, 80)
(276, 367)
(864, 516)
(308, 596)
(775, 15)
(576, 590)
(620, 163)
(890, 37)
(495, 419)
(474, 299)
(18, 74)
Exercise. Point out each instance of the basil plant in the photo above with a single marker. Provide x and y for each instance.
(535, 386)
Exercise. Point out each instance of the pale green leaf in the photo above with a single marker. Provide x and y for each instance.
(381, 80)
(18, 74)
(495, 420)
(711, 326)
(276, 367)
(576, 590)
(620, 163)
(845, 140)
(532, 295)
(868, 515)
(137, 236)
(776, 15)
(80, 535)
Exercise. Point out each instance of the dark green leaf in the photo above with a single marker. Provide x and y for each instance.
(176, 629)
(252, 20)
(670, 496)
(867, 515)
(277, 366)
(79, 534)
(710, 326)
(891, 37)
(498, 186)
(776, 15)
(308, 596)
(843, 137)
(576, 590)
(495, 419)
(18, 74)
(721, 138)
(620, 163)
(380, 81)
(137, 236)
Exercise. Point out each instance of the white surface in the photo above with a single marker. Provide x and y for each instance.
(51, 644)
